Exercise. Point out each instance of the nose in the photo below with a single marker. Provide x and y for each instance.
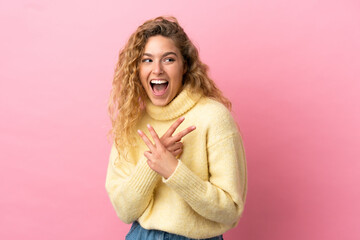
(158, 68)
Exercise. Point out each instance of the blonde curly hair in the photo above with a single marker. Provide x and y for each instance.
(127, 98)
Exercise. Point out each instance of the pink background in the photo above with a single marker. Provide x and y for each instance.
(291, 69)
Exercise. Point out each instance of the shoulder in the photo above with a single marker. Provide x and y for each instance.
(216, 120)
(212, 111)
(212, 108)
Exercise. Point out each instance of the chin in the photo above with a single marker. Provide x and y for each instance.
(159, 103)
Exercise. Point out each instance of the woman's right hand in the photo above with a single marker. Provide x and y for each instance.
(172, 143)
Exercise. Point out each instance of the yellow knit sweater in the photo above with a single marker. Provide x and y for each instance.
(205, 195)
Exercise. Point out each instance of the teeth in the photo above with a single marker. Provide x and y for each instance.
(158, 81)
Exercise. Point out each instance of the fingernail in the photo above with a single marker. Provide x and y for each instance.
(139, 131)
(193, 127)
(182, 118)
(148, 125)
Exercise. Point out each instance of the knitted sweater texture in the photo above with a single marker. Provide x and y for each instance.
(205, 196)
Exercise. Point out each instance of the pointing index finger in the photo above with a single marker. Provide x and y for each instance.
(154, 135)
(173, 127)
(146, 140)
(183, 133)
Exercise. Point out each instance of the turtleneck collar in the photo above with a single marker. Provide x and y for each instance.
(182, 103)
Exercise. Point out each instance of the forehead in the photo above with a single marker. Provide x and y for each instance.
(160, 44)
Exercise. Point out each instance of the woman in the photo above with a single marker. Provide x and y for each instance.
(172, 182)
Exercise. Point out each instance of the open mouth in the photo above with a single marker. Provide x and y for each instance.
(159, 86)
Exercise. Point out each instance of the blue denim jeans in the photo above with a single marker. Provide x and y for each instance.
(139, 233)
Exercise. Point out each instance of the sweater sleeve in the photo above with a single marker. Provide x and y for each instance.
(129, 186)
(222, 197)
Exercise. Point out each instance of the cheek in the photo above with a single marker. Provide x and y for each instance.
(142, 76)
(177, 72)
(180, 75)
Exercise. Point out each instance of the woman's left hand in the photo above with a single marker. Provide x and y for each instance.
(159, 158)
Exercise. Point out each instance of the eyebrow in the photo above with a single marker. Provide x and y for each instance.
(164, 55)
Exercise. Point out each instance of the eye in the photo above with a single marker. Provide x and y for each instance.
(146, 60)
(169, 60)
